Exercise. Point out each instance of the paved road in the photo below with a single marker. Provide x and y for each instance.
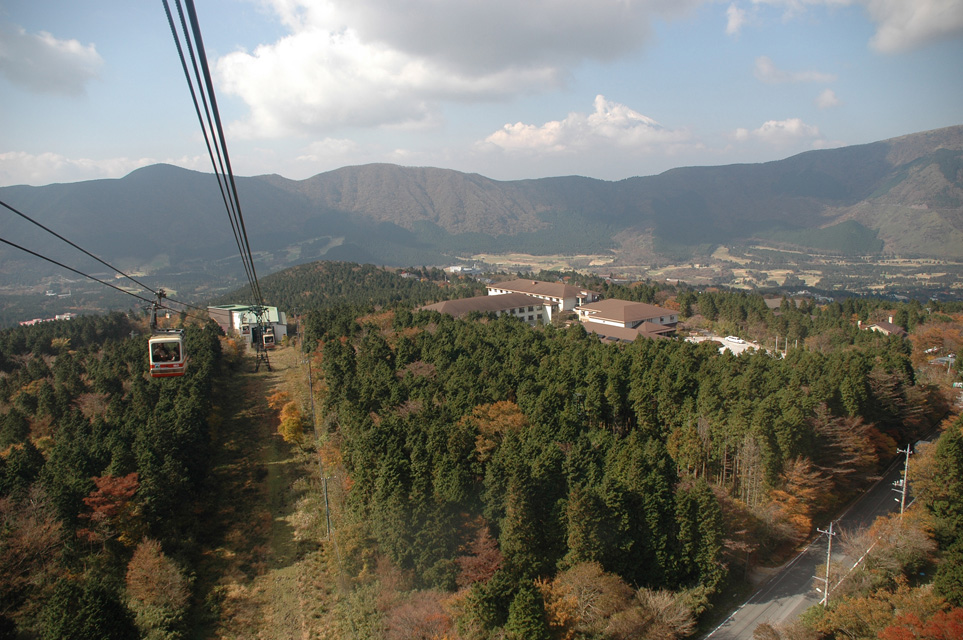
(736, 346)
(791, 591)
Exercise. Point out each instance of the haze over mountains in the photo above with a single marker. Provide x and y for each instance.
(899, 196)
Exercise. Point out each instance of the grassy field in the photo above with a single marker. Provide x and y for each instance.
(752, 267)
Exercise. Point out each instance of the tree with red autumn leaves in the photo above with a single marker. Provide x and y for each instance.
(943, 625)
(112, 511)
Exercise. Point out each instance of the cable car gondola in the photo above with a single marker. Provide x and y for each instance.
(166, 352)
(267, 339)
(167, 357)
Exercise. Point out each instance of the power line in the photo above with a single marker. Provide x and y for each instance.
(213, 152)
(78, 272)
(195, 25)
(94, 278)
(81, 249)
(54, 233)
(213, 131)
(212, 128)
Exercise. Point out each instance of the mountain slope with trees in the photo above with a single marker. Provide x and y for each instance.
(499, 469)
(486, 478)
(100, 468)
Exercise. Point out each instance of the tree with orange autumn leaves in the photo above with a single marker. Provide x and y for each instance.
(112, 512)
(291, 422)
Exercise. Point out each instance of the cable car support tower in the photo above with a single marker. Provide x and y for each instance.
(258, 338)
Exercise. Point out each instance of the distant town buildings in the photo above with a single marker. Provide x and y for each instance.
(462, 270)
(61, 316)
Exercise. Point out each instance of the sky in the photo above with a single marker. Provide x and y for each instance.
(510, 89)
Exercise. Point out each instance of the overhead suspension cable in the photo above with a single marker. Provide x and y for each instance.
(218, 164)
(81, 249)
(78, 272)
(212, 128)
(196, 28)
(96, 279)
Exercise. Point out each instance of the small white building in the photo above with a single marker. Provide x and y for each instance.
(558, 296)
(238, 320)
(462, 270)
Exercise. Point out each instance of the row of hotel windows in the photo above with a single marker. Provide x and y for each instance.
(519, 313)
(532, 295)
(519, 310)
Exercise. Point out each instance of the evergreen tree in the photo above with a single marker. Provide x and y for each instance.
(948, 581)
(86, 611)
(14, 428)
(947, 504)
(526, 616)
(23, 467)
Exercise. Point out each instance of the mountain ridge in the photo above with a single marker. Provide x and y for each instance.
(898, 196)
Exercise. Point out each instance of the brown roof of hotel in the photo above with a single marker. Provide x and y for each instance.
(889, 328)
(624, 311)
(535, 287)
(608, 332)
(484, 304)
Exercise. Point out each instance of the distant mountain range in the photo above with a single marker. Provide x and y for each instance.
(899, 196)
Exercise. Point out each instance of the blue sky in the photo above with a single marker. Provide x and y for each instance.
(510, 89)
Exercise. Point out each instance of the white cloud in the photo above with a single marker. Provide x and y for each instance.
(328, 149)
(780, 133)
(735, 19)
(479, 37)
(611, 125)
(766, 71)
(383, 63)
(901, 25)
(827, 99)
(18, 167)
(43, 64)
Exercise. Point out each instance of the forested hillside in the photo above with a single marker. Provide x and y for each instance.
(502, 469)
(318, 285)
(99, 470)
(478, 478)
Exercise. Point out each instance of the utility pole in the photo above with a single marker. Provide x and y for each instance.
(829, 557)
(903, 483)
(327, 510)
(317, 435)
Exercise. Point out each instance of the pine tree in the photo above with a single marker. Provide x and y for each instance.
(526, 616)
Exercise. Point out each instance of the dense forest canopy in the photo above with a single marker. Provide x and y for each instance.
(320, 285)
(655, 461)
(491, 472)
(100, 465)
